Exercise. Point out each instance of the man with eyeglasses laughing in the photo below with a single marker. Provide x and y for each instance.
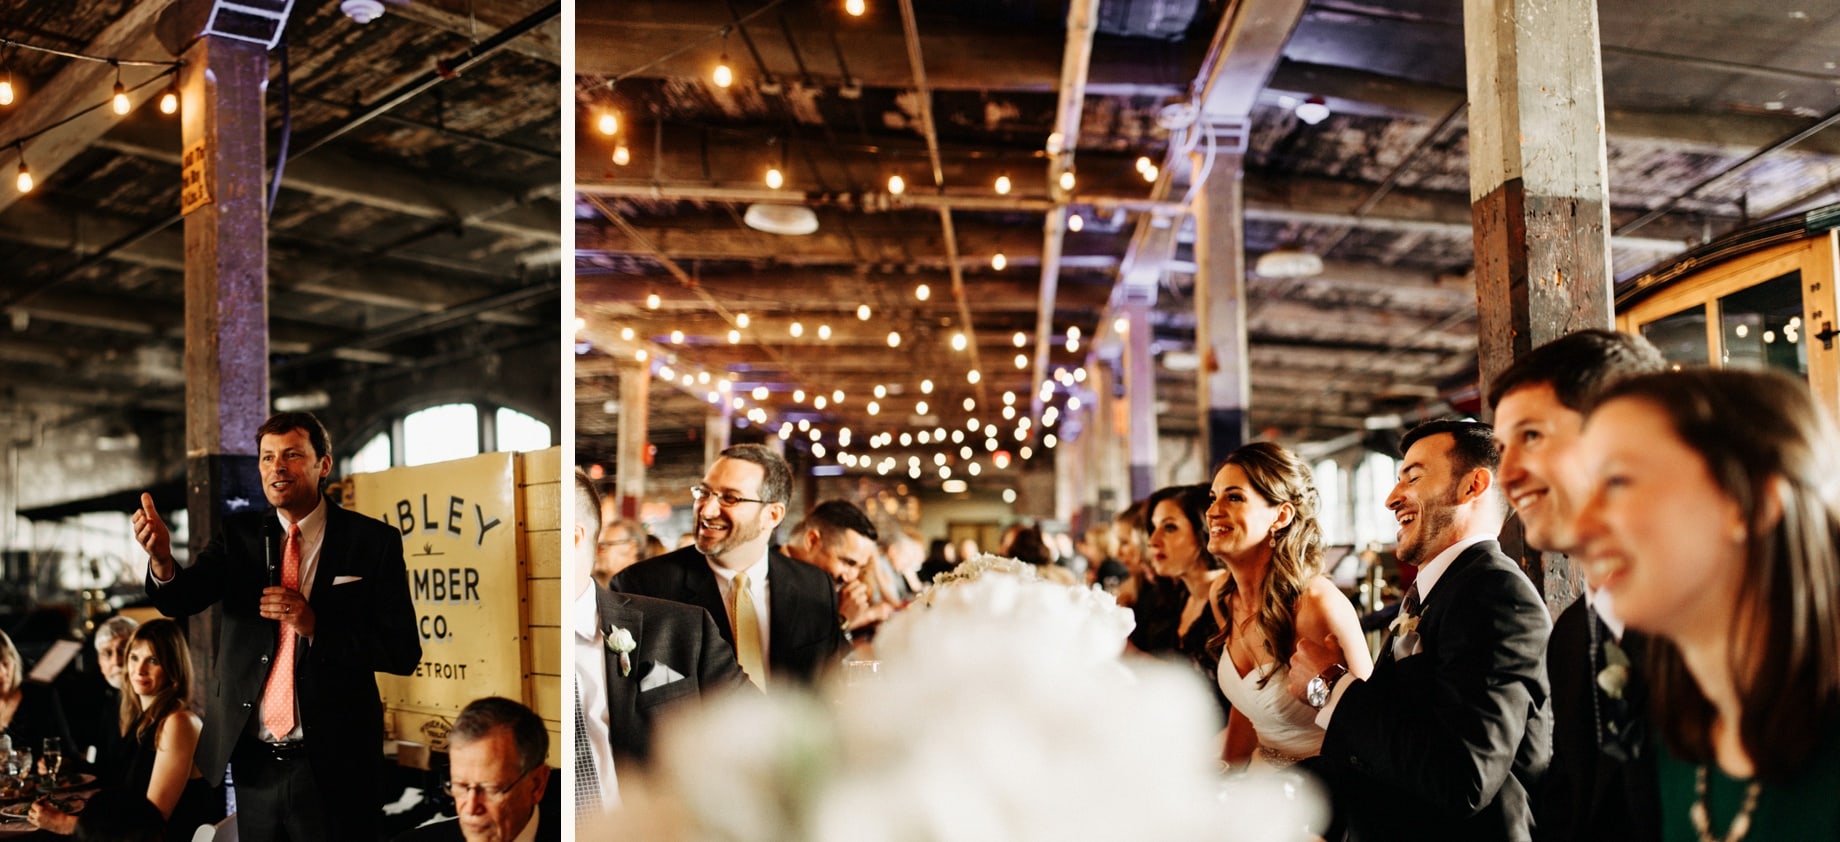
(497, 778)
(778, 614)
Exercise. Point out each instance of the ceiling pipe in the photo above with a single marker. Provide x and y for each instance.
(704, 192)
(911, 30)
(1075, 63)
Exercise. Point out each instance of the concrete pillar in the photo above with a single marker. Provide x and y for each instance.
(629, 459)
(1140, 394)
(1538, 190)
(716, 428)
(222, 129)
(1220, 310)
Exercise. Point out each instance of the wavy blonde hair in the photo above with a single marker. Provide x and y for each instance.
(1278, 476)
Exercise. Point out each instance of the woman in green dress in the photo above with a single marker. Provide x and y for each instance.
(1712, 518)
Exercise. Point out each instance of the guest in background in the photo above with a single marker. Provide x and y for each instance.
(1711, 515)
(1155, 601)
(30, 712)
(1176, 520)
(105, 729)
(617, 548)
(902, 556)
(1262, 525)
(1026, 544)
(941, 557)
(161, 734)
(1100, 549)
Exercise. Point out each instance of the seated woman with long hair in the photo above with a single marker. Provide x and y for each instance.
(1711, 516)
(161, 732)
(1262, 524)
(1175, 518)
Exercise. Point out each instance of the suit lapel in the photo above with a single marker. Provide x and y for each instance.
(781, 600)
(334, 553)
(699, 588)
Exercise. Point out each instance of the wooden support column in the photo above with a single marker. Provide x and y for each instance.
(629, 458)
(716, 428)
(1538, 192)
(223, 126)
(1220, 310)
(1140, 394)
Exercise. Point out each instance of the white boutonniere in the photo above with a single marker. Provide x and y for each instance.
(1615, 674)
(620, 642)
(1403, 625)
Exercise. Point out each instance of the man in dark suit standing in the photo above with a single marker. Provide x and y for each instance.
(295, 706)
(778, 614)
(497, 777)
(1602, 782)
(1450, 735)
(636, 660)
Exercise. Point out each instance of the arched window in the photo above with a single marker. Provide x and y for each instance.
(519, 432)
(373, 456)
(440, 433)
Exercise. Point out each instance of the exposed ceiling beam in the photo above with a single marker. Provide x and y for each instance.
(82, 85)
(957, 58)
(329, 175)
(479, 21)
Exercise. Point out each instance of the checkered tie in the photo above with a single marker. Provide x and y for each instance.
(278, 695)
(587, 780)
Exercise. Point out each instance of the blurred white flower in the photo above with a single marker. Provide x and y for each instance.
(1001, 711)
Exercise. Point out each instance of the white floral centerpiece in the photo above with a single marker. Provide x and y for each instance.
(1002, 711)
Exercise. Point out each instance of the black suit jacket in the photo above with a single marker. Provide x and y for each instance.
(668, 634)
(1448, 743)
(1589, 794)
(804, 636)
(362, 626)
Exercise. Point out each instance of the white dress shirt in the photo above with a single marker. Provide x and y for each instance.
(591, 680)
(757, 588)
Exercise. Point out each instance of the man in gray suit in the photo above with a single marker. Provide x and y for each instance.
(636, 659)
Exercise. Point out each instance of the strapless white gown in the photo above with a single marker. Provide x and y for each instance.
(1287, 727)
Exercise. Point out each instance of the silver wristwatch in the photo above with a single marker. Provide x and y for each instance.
(1317, 691)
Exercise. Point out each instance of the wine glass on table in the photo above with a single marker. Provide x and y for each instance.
(53, 758)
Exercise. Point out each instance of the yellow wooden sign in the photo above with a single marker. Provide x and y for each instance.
(194, 188)
(459, 524)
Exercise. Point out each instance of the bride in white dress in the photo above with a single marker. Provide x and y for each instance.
(1262, 524)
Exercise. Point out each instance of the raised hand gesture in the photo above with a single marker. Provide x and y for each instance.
(154, 537)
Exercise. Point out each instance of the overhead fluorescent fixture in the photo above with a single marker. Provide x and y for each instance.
(790, 220)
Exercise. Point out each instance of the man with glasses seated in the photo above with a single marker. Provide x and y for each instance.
(497, 778)
(778, 614)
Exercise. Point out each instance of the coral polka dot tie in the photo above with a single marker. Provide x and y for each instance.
(278, 695)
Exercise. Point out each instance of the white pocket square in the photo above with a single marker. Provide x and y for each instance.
(660, 675)
(346, 580)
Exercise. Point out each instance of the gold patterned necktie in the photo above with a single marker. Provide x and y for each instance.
(747, 631)
(278, 695)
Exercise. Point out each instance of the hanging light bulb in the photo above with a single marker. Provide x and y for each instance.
(741, 320)
(958, 341)
(923, 292)
(723, 75)
(120, 101)
(6, 88)
(1003, 185)
(1075, 222)
(1143, 163)
(169, 99)
(1150, 173)
(609, 123)
(897, 185)
(894, 339)
(775, 178)
(621, 155)
(856, 8)
(798, 329)
(24, 182)
(862, 312)
(652, 301)
(824, 332)
(998, 261)
(1067, 180)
